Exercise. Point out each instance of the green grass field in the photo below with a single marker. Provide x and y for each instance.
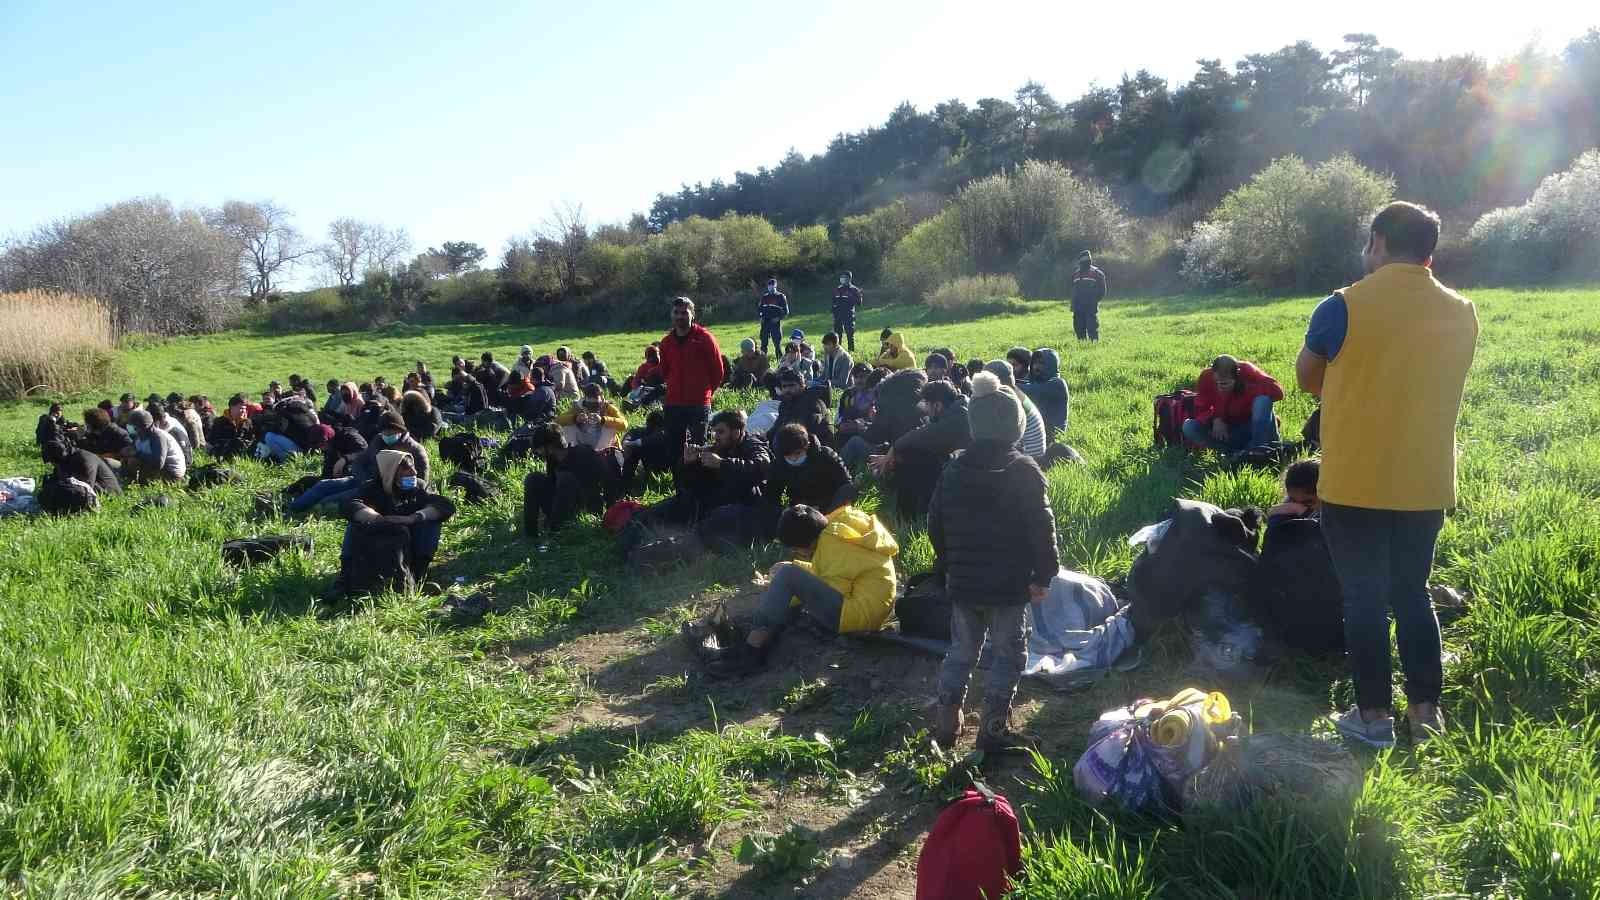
(170, 726)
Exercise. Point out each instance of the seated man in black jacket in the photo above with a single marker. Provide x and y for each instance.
(721, 483)
(811, 408)
(804, 472)
(398, 497)
(650, 446)
(82, 465)
(575, 478)
(914, 462)
(54, 428)
(994, 540)
(104, 438)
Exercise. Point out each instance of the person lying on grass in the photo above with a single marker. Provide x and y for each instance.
(398, 497)
(841, 578)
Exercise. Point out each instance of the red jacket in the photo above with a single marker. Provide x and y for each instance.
(1234, 408)
(691, 367)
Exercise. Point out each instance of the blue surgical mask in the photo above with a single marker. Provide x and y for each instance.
(391, 439)
(795, 461)
(407, 483)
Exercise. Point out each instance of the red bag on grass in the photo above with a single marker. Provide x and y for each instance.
(973, 851)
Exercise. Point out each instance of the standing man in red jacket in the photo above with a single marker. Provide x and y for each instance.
(691, 366)
(1233, 411)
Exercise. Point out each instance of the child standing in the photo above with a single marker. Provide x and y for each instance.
(994, 539)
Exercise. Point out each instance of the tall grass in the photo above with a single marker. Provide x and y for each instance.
(53, 343)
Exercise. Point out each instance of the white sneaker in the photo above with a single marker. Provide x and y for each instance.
(1378, 733)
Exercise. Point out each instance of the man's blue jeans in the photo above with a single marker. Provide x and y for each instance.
(329, 490)
(1263, 430)
(1383, 558)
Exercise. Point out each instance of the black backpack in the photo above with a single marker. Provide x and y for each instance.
(212, 476)
(378, 560)
(246, 551)
(474, 488)
(463, 450)
(924, 609)
(1205, 549)
(520, 445)
(1296, 589)
(63, 497)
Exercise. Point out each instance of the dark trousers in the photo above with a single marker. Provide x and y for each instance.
(424, 543)
(1383, 558)
(685, 424)
(844, 325)
(555, 497)
(772, 328)
(1086, 319)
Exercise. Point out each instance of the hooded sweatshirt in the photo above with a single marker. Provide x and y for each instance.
(1048, 391)
(382, 497)
(1034, 440)
(898, 356)
(855, 556)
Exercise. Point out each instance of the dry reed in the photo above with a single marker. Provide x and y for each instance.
(53, 343)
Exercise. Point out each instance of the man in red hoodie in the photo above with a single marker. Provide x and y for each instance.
(691, 366)
(1234, 408)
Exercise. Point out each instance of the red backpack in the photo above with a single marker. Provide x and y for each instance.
(1172, 410)
(973, 851)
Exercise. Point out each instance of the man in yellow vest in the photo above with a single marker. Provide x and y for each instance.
(1389, 357)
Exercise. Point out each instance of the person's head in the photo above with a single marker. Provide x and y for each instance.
(486, 358)
(525, 352)
(682, 314)
(96, 418)
(109, 407)
(416, 403)
(937, 396)
(1401, 233)
(54, 452)
(1002, 370)
(797, 335)
(54, 411)
(1044, 365)
(845, 278)
(174, 400)
(366, 389)
(295, 380)
(830, 343)
(380, 382)
(1225, 370)
(391, 394)
(333, 385)
(591, 397)
(153, 398)
(1019, 357)
(237, 411)
(1300, 482)
(157, 411)
(652, 354)
(884, 334)
(800, 527)
(536, 376)
(589, 357)
(550, 442)
(772, 285)
(412, 382)
(1085, 260)
(275, 387)
(994, 413)
(958, 373)
(937, 365)
(790, 384)
(128, 402)
(140, 421)
(747, 347)
(792, 442)
(859, 373)
(397, 471)
(791, 349)
(457, 362)
(974, 366)
(727, 429)
(564, 354)
(393, 430)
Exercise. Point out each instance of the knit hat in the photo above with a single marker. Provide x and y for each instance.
(801, 526)
(994, 413)
(747, 346)
(527, 350)
(393, 421)
(140, 419)
(1002, 370)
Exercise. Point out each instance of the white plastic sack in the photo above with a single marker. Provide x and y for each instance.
(762, 418)
(1076, 627)
(16, 496)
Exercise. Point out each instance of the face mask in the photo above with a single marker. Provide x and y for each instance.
(406, 483)
(795, 461)
(843, 282)
(391, 439)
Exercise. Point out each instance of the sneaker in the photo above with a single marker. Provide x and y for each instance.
(1425, 728)
(745, 660)
(997, 736)
(1378, 734)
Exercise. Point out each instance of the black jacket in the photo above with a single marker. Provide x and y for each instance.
(375, 498)
(815, 484)
(940, 437)
(740, 479)
(91, 470)
(991, 527)
(599, 480)
(812, 409)
(470, 394)
(897, 411)
(424, 426)
(111, 440)
(49, 430)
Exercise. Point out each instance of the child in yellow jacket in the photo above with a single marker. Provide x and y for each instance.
(842, 578)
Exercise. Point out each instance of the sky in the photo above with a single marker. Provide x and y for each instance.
(472, 120)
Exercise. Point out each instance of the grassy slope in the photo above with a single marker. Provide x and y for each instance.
(167, 724)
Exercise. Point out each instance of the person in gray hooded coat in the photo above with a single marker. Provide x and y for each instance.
(1048, 391)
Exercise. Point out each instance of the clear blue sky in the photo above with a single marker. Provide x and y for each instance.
(467, 121)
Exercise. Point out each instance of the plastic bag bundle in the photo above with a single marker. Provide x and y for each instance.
(1144, 755)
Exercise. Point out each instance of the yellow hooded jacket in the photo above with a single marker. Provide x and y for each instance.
(855, 556)
(898, 356)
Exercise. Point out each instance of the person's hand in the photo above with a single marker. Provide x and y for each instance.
(1037, 593)
(1288, 508)
(1219, 429)
(879, 463)
(710, 459)
(691, 454)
